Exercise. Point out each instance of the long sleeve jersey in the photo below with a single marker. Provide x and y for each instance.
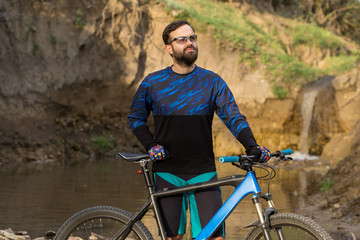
(183, 107)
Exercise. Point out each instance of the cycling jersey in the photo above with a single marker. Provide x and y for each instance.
(183, 107)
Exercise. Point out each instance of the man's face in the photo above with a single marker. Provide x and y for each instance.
(183, 51)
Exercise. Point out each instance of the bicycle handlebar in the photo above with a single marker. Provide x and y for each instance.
(251, 158)
(229, 159)
(284, 152)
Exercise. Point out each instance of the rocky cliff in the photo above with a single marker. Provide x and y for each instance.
(66, 71)
(69, 70)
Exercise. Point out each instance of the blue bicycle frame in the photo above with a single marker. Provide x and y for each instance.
(247, 186)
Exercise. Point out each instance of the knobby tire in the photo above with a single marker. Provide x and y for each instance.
(294, 227)
(101, 222)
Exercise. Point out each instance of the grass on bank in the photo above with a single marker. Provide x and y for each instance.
(254, 45)
(103, 143)
(326, 185)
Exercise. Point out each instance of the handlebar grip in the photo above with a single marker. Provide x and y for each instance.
(287, 151)
(229, 159)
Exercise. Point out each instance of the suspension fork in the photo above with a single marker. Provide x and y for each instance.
(271, 210)
(268, 198)
(264, 223)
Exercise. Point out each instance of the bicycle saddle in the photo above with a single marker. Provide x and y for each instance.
(133, 157)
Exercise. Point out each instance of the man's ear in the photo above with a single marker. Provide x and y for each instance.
(169, 49)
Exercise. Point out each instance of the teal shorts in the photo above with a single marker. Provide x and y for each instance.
(203, 203)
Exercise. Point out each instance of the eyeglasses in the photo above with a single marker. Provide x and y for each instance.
(183, 39)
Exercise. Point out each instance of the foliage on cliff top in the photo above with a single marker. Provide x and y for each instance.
(276, 42)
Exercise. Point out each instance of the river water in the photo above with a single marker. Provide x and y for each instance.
(40, 200)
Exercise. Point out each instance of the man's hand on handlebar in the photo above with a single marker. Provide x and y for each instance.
(259, 152)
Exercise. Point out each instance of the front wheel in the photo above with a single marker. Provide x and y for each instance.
(291, 226)
(102, 222)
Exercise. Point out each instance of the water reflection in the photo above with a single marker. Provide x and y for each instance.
(43, 200)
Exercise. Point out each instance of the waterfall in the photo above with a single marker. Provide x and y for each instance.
(307, 108)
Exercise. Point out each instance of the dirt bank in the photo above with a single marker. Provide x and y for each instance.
(335, 207)
(339, 208)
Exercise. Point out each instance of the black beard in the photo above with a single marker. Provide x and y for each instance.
(187, 58)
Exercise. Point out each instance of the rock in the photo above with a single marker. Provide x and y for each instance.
(50, 234)
(8, 234)
(337, 214)
(324, 203)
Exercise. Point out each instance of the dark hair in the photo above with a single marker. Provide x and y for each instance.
(172, 27)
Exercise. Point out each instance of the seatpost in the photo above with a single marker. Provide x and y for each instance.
(154, 203)
(145, 171)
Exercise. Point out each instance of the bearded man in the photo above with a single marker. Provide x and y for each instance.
(183, 99)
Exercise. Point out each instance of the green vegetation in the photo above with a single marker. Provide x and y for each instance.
(31, 29)
(279, 92)
(53, 40)
(103, 143)
(79, 20)
(325, 186)
(341, 63)
(35, 49)
(311, 34)
(255, 45)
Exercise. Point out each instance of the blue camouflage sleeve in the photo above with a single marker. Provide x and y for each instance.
(228, 112)
(140, 110)
(141, 106)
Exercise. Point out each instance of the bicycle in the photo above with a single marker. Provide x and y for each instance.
(105, 222)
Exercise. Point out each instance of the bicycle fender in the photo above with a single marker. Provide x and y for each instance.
(267, 213)
(253, 224)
